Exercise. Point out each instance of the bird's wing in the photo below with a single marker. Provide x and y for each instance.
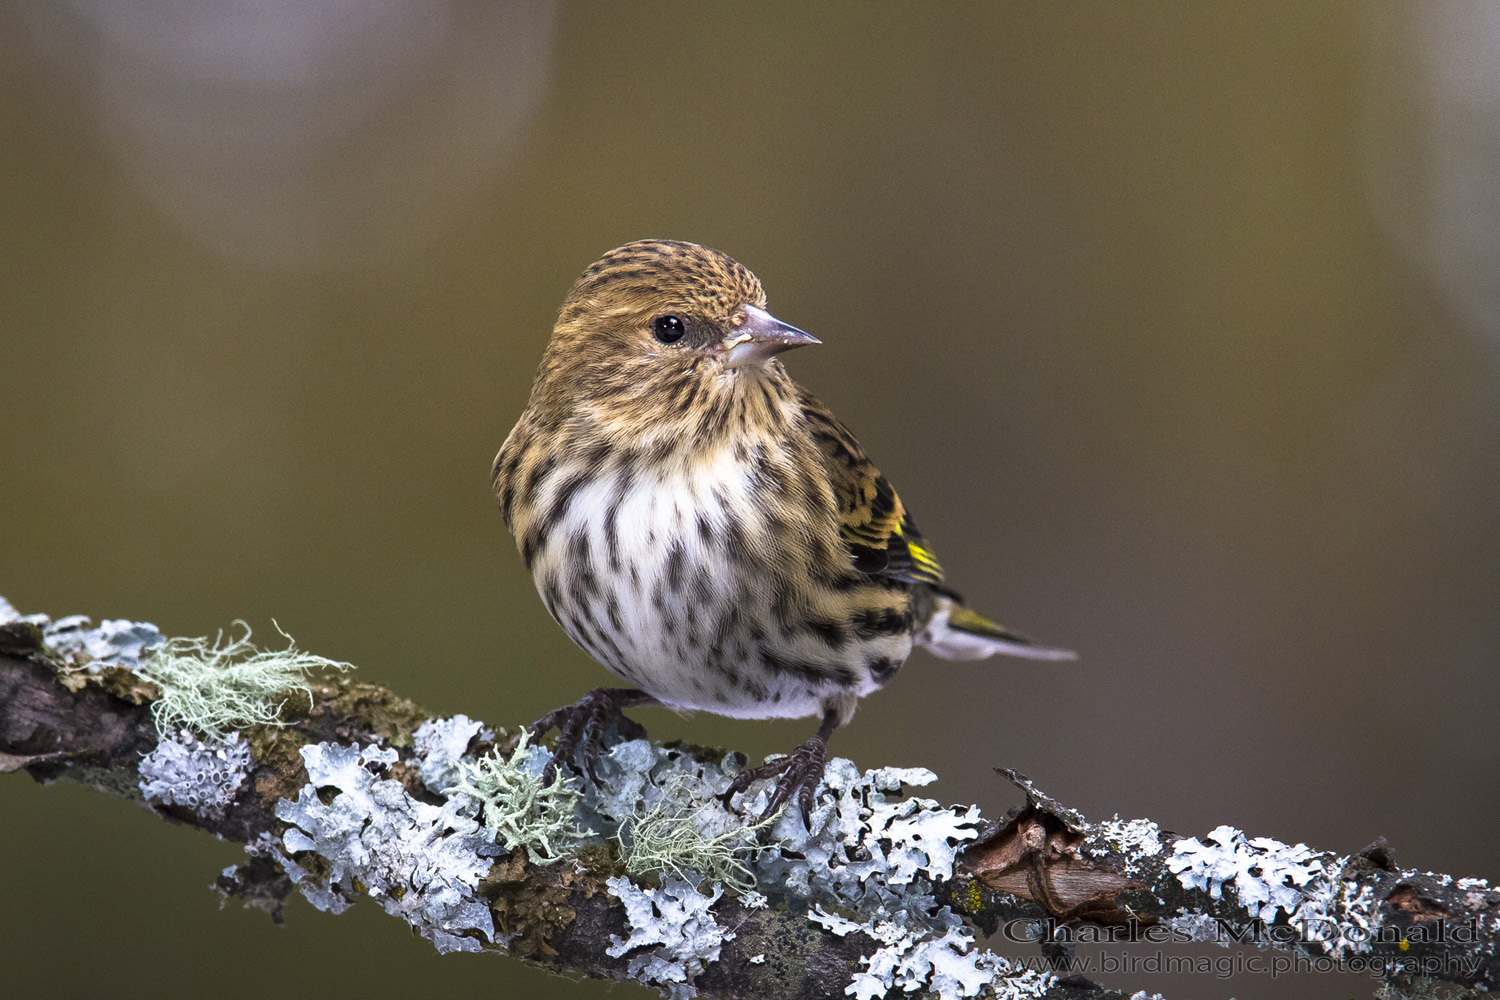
(881, 536)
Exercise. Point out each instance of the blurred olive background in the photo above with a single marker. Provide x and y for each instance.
(1176, 326)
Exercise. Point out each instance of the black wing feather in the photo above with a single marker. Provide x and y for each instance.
(882, 538)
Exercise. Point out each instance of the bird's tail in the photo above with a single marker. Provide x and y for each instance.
(956, 633)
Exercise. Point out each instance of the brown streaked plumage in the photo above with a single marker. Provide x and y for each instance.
(703, 526)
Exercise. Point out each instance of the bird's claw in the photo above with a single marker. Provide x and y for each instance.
(797, 774)
(581, 726)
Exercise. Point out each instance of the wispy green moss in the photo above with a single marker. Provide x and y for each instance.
(217, 686)
(514, 803)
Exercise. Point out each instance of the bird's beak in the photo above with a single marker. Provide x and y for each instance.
(758, 336)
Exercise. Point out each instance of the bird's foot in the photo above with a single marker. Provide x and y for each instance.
(797, 774)
(581, 727)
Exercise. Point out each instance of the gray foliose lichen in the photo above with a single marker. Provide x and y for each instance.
(200, 775)
(866, 861)
(80, 645)
(422, 863)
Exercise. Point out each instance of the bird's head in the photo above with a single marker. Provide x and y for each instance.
(652, 318)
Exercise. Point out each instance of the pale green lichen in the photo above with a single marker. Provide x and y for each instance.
(217, 686)
(518, 807)
(673, 838)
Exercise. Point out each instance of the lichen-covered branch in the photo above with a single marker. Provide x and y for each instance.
(343, 790)
(1130, 881)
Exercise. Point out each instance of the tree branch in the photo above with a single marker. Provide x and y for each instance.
(357, 792)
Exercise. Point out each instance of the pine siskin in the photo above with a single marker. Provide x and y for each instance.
(706, 529)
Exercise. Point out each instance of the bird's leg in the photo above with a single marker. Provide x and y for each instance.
(797, 773)
(582, 724)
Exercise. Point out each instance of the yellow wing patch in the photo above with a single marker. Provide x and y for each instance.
(964, 620)
(923, 557)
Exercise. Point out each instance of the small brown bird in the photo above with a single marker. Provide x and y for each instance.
(706, 529)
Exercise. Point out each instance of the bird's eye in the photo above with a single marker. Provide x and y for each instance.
(668, 329)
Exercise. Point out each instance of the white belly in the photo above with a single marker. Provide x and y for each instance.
(647, 585)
